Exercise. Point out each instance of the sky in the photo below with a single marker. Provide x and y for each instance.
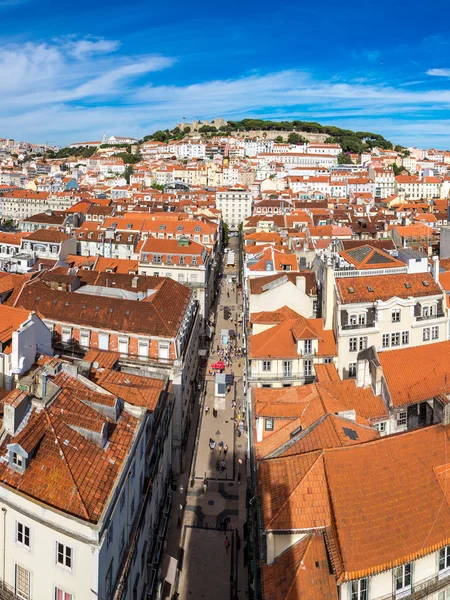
(76, 71)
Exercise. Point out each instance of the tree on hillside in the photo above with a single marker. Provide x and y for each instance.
(128, 173)
(296, 138)
(344, 159)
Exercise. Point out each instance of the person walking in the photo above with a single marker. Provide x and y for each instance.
(205, 486)
(212, 444)
(225, 450)
(206, 410)
(223, 465)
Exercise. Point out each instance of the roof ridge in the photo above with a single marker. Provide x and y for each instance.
(85, 510)
(320, 454)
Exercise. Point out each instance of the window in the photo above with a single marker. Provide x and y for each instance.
(327, 360)
(435, 333)
(395, 339)
(267, 365)
(381, 427)
(426, 334)
(62, 595)
(396, 315)
(63, 555)
(425, 311)
(103, 341)
(385, 340)
(123, 346)
(403, 577)
(308, 368)
(84, 338)
(66, 334)
(362, 343)
(352, 344)
(353, 319)
(17, 459)
(22, 582)
(405, 338)
(287, 368)
(268, 425)
(308, 346)
(444, 558)
(23, 534)
(143, 349)
(163, 350)
(401, 418)
(362, 319)
(359, 589)
(352, 370)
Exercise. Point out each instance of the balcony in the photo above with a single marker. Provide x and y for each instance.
(358, 326)
(438, 315)
(281, 377)
(421, 589)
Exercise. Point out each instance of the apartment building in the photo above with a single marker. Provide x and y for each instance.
(185, 261)
(381, 305)
(235, 203)
(156, 331)
(284, 348)
(72, 539)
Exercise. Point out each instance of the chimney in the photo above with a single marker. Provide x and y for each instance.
(300, 282)
(436, 268)
(134, 282)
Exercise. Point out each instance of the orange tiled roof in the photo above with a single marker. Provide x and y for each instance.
(401, 285)
(409, 384)
(302, 571)
(68, 471)
(280, 340)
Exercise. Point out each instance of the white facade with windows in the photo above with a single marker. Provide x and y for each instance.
(387, 325)
(235, 204)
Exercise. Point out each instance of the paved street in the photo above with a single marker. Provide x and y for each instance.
(202, 520)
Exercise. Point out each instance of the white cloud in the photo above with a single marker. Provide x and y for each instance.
(439, 72)
(86, 47)
(81, 88)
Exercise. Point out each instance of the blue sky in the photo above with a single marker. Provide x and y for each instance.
(74, 71)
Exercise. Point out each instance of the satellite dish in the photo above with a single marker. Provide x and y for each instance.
(95, 365)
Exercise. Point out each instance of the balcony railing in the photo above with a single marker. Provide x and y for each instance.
(358, 326)
(421, 589)
(284, 377)
(438, 315)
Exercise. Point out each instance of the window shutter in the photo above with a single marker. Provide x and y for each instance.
(417, 310)
(344, 318)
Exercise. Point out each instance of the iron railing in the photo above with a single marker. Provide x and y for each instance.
(421, 589)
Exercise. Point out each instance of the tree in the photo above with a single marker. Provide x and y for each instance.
(279, 139)
(226, 234)
(344, 159)
(296, 138)
(128, 173)
(157, 186)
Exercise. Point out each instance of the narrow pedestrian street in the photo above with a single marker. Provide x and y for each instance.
(206, 534)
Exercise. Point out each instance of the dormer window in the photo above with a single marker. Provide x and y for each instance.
(17, 460)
